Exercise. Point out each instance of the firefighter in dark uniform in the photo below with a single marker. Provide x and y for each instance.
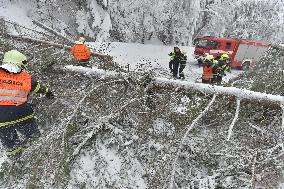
(182, 65)
(177, 62)
(16, 115)
(220, 67)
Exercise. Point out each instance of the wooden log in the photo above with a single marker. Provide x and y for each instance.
(51, 30)
(262, 98)
(28, 39)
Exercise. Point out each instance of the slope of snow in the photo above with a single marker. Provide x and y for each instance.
(18, 13)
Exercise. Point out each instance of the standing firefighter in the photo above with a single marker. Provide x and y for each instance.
(81, 52)
(16, 115)
(220, 67)
(182, 65)
(177, 62)
(207, 75)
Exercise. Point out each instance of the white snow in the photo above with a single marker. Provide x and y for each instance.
(162, 127)
(183, 105)
(100, 22)
(282, 107)
(113, 161)
(91, 71)
(18, 13)
(104, 166)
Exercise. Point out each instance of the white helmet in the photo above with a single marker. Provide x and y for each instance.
(209, 58)
(14, 57)
(13, 60)
(82, 39)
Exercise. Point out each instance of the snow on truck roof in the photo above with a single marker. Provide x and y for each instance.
(243, 41)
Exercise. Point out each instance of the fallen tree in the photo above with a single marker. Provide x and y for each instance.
(52, 44)
(213, 89)
(158, 83)
(51, 30)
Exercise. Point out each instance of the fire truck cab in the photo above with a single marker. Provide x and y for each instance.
(243, 54)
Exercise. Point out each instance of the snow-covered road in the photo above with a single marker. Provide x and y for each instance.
(146, 57)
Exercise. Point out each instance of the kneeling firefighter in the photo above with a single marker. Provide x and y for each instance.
(81, 53)
(207, 75)
(16, 115)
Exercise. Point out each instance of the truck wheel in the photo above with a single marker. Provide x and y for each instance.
(246, 65)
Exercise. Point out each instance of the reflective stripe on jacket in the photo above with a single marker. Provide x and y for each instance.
(81, 52)
(207, 73)
(179, 57)
(172, 55)
(14, 87)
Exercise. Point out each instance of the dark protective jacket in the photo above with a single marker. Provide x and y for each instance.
(220, 68)
(177, 59)
(12, 112)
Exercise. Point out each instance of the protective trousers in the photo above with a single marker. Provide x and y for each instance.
(181, 68)
(175, 69)
(9, 134)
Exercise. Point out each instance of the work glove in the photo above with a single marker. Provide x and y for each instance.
(49, 95)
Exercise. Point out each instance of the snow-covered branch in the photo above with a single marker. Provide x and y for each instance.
(282, 106)
(234, 120)
(93, 71)
(51, 30)
(28, 39)
(185, 136)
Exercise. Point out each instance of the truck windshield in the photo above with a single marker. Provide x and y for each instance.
(207, 44)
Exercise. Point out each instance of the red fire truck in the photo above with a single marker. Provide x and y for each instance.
(243, 54)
